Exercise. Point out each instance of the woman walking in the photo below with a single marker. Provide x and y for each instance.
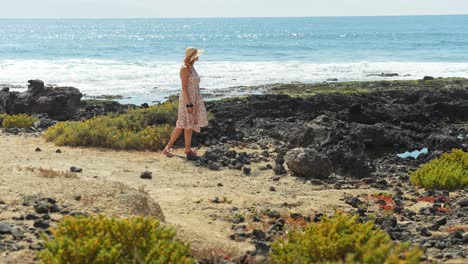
(192, 113)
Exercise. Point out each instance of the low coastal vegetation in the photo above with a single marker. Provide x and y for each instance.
(448, 172)
(140, 129)
(17, 121)
(342, 239)
(352, 87)
(100, 239)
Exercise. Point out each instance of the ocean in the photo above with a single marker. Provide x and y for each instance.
(140, 58)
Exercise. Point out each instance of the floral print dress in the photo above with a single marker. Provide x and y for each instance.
(199, 117)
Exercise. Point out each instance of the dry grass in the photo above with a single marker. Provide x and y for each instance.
(49, 173)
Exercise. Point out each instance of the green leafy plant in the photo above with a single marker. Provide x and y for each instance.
(341, 239)
(99, 239)
(449, 171)
(18, 121)
(139, 129)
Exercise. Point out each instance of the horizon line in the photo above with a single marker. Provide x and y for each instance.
(233, 17)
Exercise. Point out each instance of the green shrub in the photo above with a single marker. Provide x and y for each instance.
(139, 129)
(18, 121)
(341, 239)
(450, 171)
(99, 239)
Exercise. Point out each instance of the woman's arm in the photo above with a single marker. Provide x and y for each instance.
(184, 76)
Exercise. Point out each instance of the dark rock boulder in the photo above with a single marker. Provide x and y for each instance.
(443, 142)
(60, 103)
(6, 101)
(311, 133)
(349, 159)
(307, 162)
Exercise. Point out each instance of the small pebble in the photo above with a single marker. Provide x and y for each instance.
(75, 169)
(146, 175)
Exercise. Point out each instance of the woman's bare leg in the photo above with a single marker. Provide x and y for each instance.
(174, 136)
(188, 140)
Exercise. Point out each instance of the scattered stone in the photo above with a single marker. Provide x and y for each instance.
(58, 151)
(38, 149)
(214, 166)
(76, 169)
(54, 208)
(425, 232)
(272, 189)
(17, 233)
(279, 159)
(41, 223)
(463, 202)
(427, 211)
(279, 169)
(220, 185)
(246, 170)
(146, 175)
(36, 246)
(441, 221)
(31, 217)
(353, 201)
(434, 227)
(261, 248)
(389, 222)
(238, 219)
(77, 197)
(41, 207)
(215, 200)
(258, 234)
(276, 178)
(5, 228)
(273, 214)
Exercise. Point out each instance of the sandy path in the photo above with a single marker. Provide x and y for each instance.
(183, 190)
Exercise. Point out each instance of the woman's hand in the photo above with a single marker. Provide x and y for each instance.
(190, 110)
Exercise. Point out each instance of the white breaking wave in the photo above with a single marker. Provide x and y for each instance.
(147, 79)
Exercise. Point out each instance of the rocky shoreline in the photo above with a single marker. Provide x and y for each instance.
(334, 135)
(351, 140)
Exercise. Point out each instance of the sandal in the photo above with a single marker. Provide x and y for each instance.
(192, 153)
(167, 152)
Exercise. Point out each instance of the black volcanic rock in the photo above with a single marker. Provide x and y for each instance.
(308, 163)
(60, 103)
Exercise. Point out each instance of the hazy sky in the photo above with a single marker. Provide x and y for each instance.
(224, 8)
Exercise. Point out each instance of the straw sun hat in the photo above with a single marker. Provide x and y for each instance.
(193, 53)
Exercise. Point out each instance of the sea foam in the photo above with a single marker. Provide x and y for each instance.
(150, 79)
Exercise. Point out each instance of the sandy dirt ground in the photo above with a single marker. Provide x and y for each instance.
(183, 190)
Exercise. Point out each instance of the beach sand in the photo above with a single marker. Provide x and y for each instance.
(183, 191)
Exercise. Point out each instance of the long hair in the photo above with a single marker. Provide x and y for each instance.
(188, 63)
